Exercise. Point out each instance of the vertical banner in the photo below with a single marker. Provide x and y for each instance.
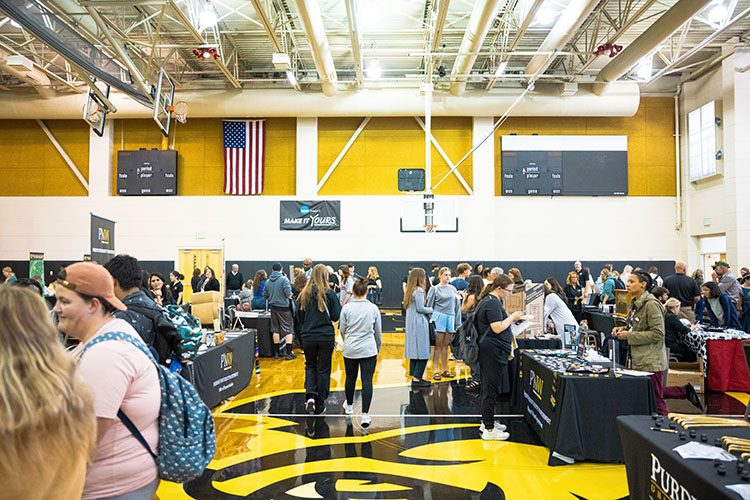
(36, 266)
(102, 239)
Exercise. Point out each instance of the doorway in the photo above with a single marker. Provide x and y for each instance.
(198, 258)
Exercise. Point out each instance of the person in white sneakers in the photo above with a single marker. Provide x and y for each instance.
(360, 325)
(493, 327)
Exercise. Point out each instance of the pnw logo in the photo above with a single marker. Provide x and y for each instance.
(664, 486)
(537, 384)
(104, 236)
(225, 362)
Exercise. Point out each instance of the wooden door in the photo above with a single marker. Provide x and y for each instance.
(199, 258)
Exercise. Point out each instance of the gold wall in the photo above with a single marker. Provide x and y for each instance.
(199, 142)
(371, 165)
(651, 153)
(31, 166)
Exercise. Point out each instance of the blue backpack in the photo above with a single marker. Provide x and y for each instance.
(187, 440)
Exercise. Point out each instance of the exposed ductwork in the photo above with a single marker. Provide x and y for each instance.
(479, 25)
(621, 99)
(668, 23)
(312, 20)
(570, 20)
(33, 76)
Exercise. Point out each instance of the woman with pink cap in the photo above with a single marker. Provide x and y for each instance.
(120, 376)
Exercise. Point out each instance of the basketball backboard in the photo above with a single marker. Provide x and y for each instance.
(95, 111)
(413, 215)
(163, 99)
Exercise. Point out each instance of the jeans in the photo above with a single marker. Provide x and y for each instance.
(417, 367)
(317, 369)
(367, 368)
(661, 406)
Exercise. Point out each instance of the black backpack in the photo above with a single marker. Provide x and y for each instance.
(465, 343)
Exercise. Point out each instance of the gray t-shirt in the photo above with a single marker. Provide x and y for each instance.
(443, 299)
(728, 283)
(360, 325)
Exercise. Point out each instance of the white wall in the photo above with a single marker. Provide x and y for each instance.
(720, 205)
(502, 228)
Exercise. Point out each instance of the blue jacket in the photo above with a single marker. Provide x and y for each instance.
(730, 312)
(277, 291)
(608, 289)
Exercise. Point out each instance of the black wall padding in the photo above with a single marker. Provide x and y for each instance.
(391, 273)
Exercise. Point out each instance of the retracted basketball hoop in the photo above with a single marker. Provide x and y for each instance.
(430, 228)
(180, 111)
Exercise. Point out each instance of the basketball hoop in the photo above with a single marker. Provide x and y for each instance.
(429, 228)
(93, 114)
(180, 110)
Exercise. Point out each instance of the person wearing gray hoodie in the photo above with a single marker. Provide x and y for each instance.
(278, 292)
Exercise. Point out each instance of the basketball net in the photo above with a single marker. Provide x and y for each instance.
(429, 228)
(180, 110)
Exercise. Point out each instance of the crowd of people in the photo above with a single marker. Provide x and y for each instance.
(55, 395)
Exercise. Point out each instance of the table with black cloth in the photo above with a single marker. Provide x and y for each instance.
(513, 373)
(655, 470)
(574, 414)
(224, 370)
(261, 321)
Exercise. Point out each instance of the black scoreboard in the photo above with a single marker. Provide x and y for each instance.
(147, 172)
(564, 166)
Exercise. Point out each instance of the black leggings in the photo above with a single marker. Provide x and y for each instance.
(417, 367)
(367, 368)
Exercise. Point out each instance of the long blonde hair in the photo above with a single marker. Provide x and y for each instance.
(372, 273)
(42, 399)
(417, 279)
(318, 281)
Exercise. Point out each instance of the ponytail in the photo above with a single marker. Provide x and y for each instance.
(500, 281)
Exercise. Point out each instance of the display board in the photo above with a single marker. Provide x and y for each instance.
(102, 239)
(147, 172)
(564, 165)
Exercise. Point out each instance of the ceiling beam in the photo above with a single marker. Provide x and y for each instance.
(356, 40)
(182, 18)
(517, 38)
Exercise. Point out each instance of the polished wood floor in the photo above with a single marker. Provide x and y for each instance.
(421, 444)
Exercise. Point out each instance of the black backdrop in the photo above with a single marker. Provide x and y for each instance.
(391, 273)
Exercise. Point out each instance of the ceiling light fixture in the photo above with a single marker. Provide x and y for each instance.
(501, 68)
(292, 79)
(15, 24)
(717, 14)
(644, 68)
(546, 16)
(373, 69)
(207, 17)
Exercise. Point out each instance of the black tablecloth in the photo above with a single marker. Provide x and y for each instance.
(531, 343)
(262, 323)
(223, 371)
(655, 469)
(574, 414)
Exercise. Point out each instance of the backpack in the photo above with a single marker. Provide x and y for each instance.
(465, 343)
(177, 331)
(188, 329)
(187, 439)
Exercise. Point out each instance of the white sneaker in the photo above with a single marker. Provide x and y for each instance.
(366, 420)
(348, 409)
(495, 435)
(310, 405)
(498, 427)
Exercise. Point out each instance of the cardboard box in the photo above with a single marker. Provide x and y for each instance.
(531, 301)
(680, 377)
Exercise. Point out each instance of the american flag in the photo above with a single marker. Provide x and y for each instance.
(244, 156)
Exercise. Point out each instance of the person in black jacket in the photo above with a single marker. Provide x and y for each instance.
(143, 313)
(234, 281)
(209, 283)
(317, 309)
(674, 329)
(195, 281)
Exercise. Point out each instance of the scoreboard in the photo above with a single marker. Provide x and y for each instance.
(564, 165)
(147, 172)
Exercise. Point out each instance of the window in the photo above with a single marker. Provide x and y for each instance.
(702, 142)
